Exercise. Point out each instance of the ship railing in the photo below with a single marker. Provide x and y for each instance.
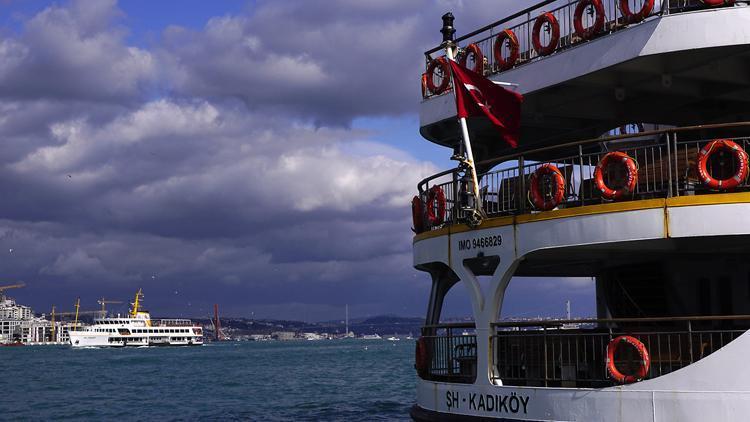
(451, 351)
(522, 24)
(573, 353)
(666, 160)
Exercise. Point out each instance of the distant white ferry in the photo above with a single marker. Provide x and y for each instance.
(137, 329)
(371, 337)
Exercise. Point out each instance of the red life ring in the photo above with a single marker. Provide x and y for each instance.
(630, 183)
(505, 64)
(615, 373)
(442, 63)
(588, 33)
(549, 18)
(739, 155)
(421, 357)
(714, 3)
(424, 85)
(417, 214)
(473, 49)
(555, 196)
(435, 199)
(630, 16)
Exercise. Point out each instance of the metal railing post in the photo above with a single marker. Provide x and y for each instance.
(580, 175)
(546, 378)
(521, 194)
(690, 340)
(676, 167)
(456, 199)
(669, 167)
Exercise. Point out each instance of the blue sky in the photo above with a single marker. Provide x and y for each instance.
(260, 155)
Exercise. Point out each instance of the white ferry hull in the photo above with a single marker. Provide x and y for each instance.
(85, 339)
(716, 388)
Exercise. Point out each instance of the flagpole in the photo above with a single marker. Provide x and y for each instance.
(448, 31)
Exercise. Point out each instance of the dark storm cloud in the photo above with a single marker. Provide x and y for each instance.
(273, 208)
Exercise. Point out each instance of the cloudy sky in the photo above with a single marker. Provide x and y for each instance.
(260, 155)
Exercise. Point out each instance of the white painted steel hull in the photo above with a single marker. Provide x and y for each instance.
(716, 388)
(86, 339)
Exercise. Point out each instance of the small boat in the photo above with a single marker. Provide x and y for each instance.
(371, 337)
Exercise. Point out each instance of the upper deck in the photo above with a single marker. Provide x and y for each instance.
(679, 66)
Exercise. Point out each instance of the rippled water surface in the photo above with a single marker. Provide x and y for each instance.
(300, 380)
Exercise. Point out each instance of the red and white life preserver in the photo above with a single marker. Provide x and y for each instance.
(435, 209)
(552, 199)
(549, 18)
(634, 17)
(645, 362)
(590, 32)
(616, 158)
(417, 214)
(421, 357)
(740, 156)
(714, 3)
(442, 64)
(510, 61)
(473, 49)
(424, 85)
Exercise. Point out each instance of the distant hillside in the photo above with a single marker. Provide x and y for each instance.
(386, 324)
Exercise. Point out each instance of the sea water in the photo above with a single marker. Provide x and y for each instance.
(327, 380)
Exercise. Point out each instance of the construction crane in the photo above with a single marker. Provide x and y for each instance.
(10, 286)
(104, 303)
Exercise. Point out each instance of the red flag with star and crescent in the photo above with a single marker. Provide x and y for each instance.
(479, 96)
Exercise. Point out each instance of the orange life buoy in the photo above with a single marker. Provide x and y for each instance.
(435, 206)
(740, 156)
(548, 18)
(714, 3)
(442, 64)
(588, 33)
(506, 63)
(424, 85)
(421, 357)
(473, 49)
(630, 182)
(645, 362)
(417, 214)
(634, 17)
(551, 199)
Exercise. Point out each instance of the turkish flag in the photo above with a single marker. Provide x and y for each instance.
(479, 96)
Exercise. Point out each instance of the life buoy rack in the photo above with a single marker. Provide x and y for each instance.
(473, 49)
(548, 18)
(442, 64)
(645, 360)
(421, 357)
(631, 180)
(435, 209)
(513, 44)
(715, 3)
(590, 32)
(417, 214)
(634, 17)
(553, 198)
(739, 155)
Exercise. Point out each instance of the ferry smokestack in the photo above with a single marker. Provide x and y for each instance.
(448, 30)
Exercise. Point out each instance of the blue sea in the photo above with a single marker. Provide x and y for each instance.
(329, 380)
